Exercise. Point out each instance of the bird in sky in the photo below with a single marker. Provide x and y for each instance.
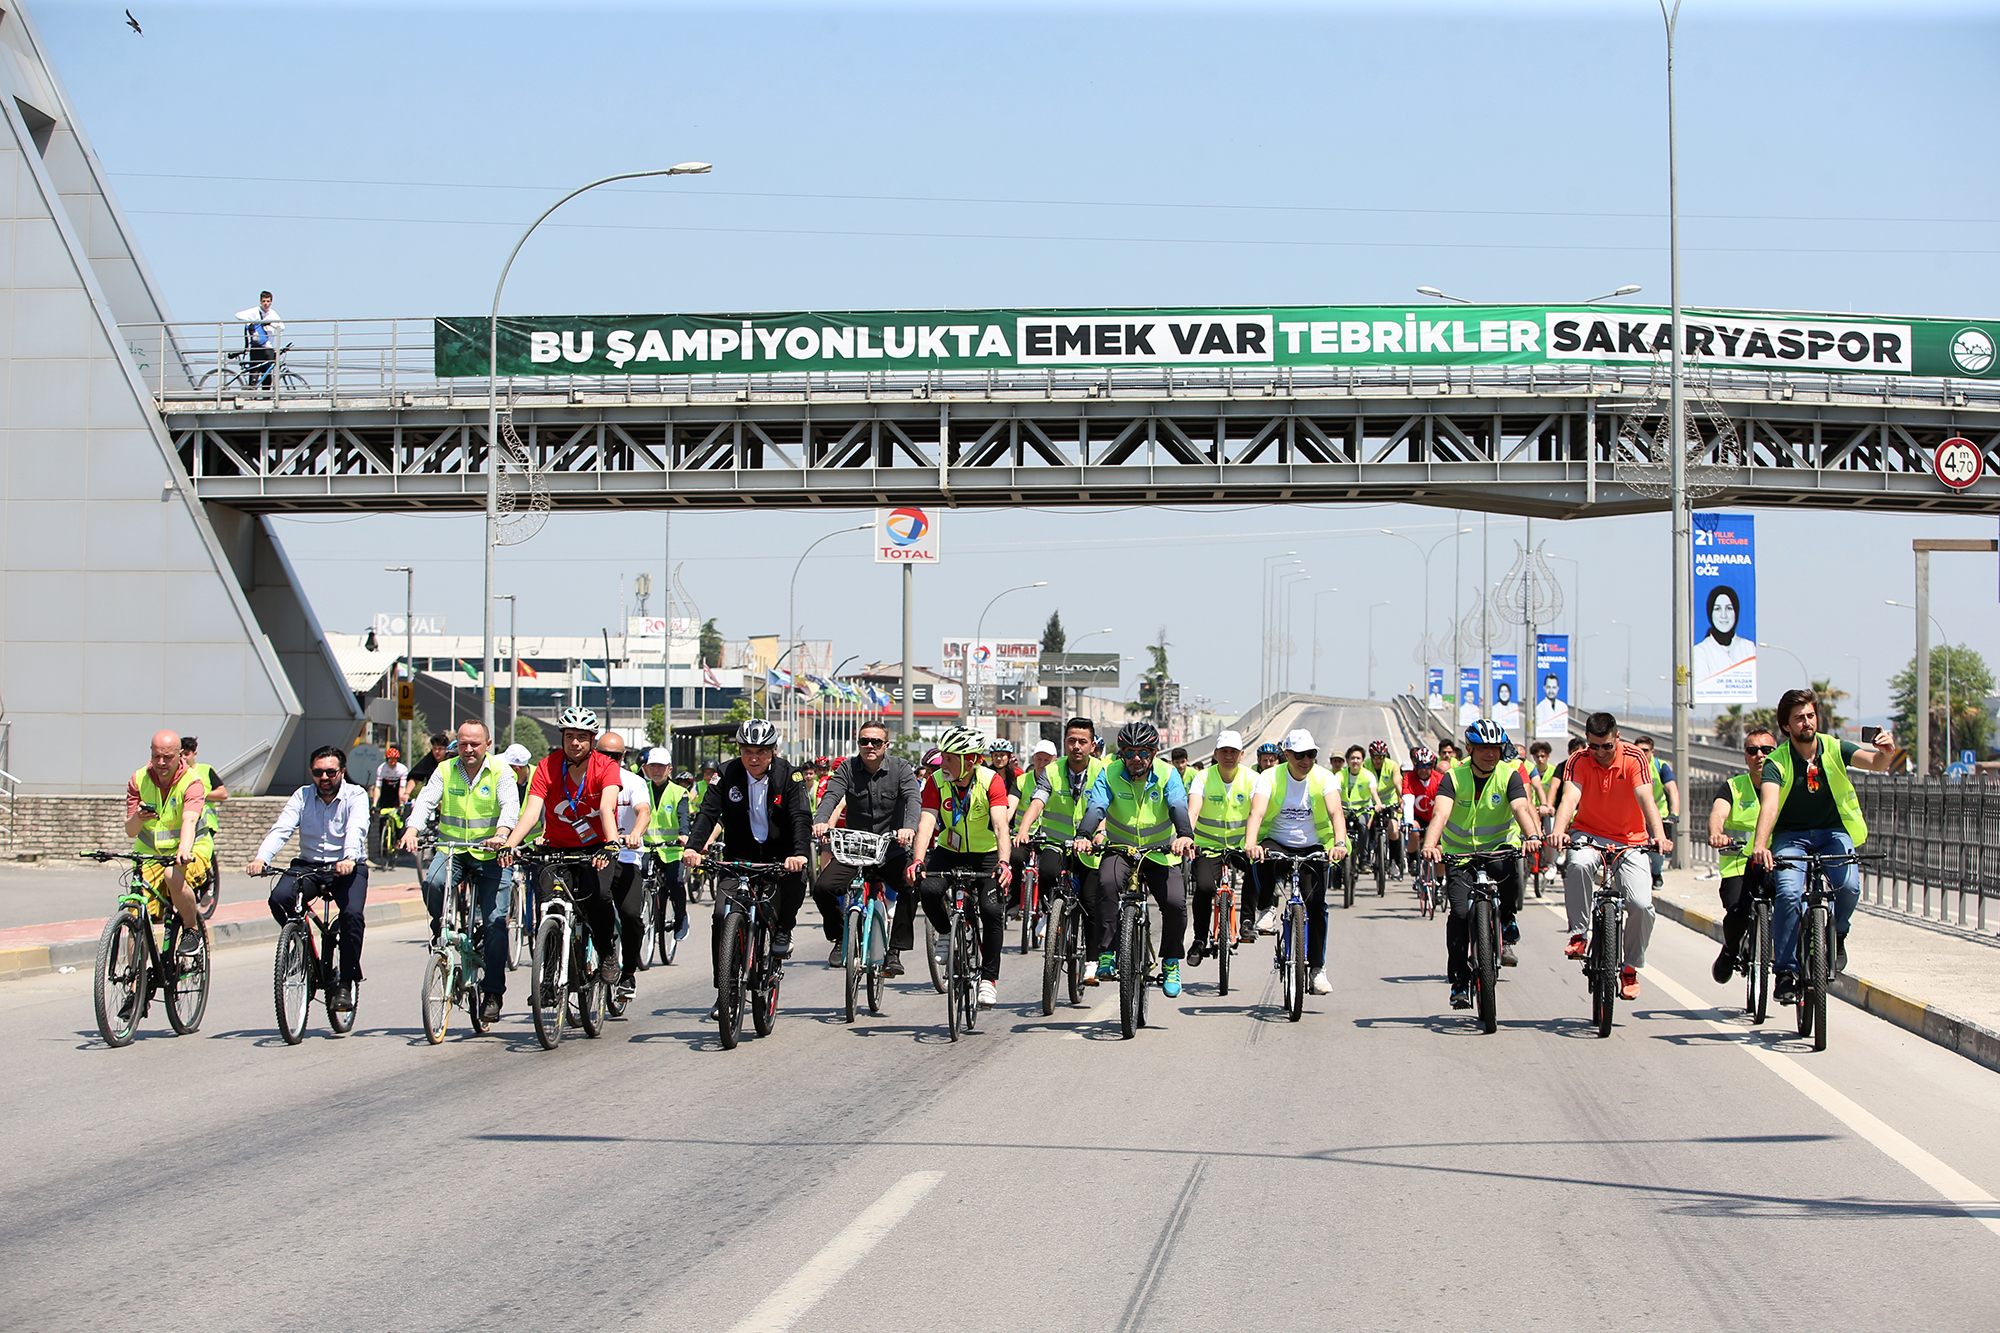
(133, 23)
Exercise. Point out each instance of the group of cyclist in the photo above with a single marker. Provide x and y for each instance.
(1103, 818)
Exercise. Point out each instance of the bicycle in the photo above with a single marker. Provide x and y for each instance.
(1290, 957)
(1349, 870)
(1603, 959)
(1134, 942)
(457, 954)
(132, 964)
(1424, 878)
(1816, 960)
(239, 372)
(963, 953)
(308, 955)
(749, 968)
(520, 921)
(864, 940)
(1223, 923)
(387, 833)
(563, 980)
(1033, 923)
(1065, 951)
(1484, 937)
(1379, 826)
(665, 944)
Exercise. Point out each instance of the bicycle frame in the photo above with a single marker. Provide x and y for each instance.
(1603, 960)
(1290, 954)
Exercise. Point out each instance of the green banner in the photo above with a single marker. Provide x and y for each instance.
(1318, 336)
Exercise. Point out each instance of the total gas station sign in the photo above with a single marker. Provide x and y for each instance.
(906, 535)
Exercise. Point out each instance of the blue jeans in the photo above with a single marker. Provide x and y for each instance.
(490, 895)
(1845, 881)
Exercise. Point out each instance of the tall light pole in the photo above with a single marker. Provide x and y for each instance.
(1925, 667)
(1371, 646)
(792, 631)
(1281, 675)
(1804, 675)
(409, 649)
(978, 632)
(1683, 522)
(1323, 592)
(514, 669)
(1628, 665)
(1071, 647)
(1264, 625)
(1857, 691)
(493, 403)
(1426, 647)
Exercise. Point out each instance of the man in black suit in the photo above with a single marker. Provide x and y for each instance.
(764, 809)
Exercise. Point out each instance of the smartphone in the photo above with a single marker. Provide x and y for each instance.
(1869, 735)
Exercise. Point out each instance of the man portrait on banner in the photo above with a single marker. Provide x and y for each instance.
(1551, 710)
(1468, 703)
(1722, 649)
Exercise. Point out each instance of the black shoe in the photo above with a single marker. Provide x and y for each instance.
(834, 959)
(781, 944)
(489, 1009)
(1840, 955)
(343, 998)
(1787, 991)
(125, 1009)
(892, 966)
(714, 1014)
(1461, 997)
(1724, 966)
(1196, 952)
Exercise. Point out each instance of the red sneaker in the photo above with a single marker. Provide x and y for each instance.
(1630, 988)
(1576, 948)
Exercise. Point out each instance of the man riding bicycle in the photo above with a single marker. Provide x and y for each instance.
(576, 789)
(664, 833)
(877, 793)
(1359, 795)
(1608, 796)
(1141, 804)
(1388, 775)
(476, 801)
(1732, 818)
(1295, 809)
(165, 815)
(635, 812)
(1056, 806)
(330, 815)
(1481, 809)
(1806, 805)
(964, 808)
(1219, 810)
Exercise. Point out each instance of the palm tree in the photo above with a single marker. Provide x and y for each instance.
(1830, 696)
(1729, 725)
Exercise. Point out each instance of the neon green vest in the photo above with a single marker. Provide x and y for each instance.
(470, 811)
(1224, 819)
(665, 825)
(1388, 775)
(1061, 813)
(160, 835)
(972, 831)
(1741, 820)
(1281, 780)
(1844, 799)
(211, 823)
(1138, 814)
(1484, 823)
(1659, 788)
(1356, 789)
(1024, 792)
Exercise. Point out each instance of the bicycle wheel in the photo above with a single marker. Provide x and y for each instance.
(1819, 962)
(340, 1021)
(766, 973)
(385, 839)
(1486, 963)
(649, 927)
(1757, 968)
(954, 1017)
(1055, 958)
(209, 895)
(591, 994)
(968, 977)
(437, 997)
(1029, 907)
(1130, 963)
(1348, 875)
(1145, 956)
(1381, 867)
(930, 952)
(878, 935)
(1604, 976)
(291, 981)
(850, 955)
(520, 926)
(122, 978)
(1222, 938)
(545, 984)
(735, 971)
(187, 989)
(1296, 967)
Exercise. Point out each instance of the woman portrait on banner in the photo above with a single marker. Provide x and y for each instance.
(1722, 649)
(1505, 711)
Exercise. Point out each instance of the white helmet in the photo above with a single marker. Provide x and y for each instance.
(578, 719)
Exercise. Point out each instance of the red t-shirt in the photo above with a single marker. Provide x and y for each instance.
(1608, 809)
(1425, 792)
(571, 818)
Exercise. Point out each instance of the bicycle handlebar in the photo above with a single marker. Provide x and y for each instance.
(136, 858)
(752, 870)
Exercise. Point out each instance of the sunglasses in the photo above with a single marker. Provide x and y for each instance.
(326, 772)
(1759, 749)
(869, 742)
(1135, 754)
(1605, 748)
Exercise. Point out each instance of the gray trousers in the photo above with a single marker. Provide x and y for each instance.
(1635, 877)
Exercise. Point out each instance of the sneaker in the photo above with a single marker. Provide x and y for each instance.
(489, 1009)
(609, 972)
(1267, 924)
(714, 1013)
(1196, 952)
(681, 928)
(942, 951)
(125, 1009)
(1090, 973)
(1840, 954)
(1508, 957)
(781, 944)
(1170, 978)
(624, 990)
(1724, 966)
(1510, 932)
(1576, 948)
(1107, 967)
(892, 966)
(1320, 985)
(1787, 991)
(1629, 984)
(191, 939)
(837, 958)
(1461, 997)
(1248, 935)
(988, 993)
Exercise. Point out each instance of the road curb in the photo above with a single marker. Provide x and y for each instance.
(1974, 1041)
(17, 964)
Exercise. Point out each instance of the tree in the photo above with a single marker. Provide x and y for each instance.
(710, 649)
(1830, 695)
(656, 724)
(1156, 687)
(1729, 726)
(1053, 637)
(1971, 680)
(526, 731)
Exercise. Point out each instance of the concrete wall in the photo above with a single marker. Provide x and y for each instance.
(56, 828)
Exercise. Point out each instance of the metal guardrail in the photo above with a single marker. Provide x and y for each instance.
(1942, 841)
(388, 362)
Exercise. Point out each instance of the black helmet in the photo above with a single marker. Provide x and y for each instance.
(1138, 734)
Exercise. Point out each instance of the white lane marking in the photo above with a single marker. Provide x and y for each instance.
(1956, 1189)
(1103, 1012)
(783, 1307)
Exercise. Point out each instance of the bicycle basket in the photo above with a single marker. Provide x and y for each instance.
(851, 847)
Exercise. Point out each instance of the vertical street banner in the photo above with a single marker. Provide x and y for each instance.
(1434, 689)
(907, 535)
(1507, 691)
(1724, 616)
(1468, 694)
(1551, 687)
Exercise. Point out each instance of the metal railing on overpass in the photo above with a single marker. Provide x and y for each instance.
(1941, 846)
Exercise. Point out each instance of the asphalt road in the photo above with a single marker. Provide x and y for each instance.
(1379, 1165)
(1336, 726)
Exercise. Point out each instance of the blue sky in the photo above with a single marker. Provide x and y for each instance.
(366, 160)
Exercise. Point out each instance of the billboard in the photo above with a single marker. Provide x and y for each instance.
(1434, 689)
(1468, 694)
(420, 622)
(1087, 670)
(994, 661)
(1551, 685)
(1725, 609)
(1507, 692)
(906, 535)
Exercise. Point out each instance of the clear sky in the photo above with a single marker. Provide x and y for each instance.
(366, 160)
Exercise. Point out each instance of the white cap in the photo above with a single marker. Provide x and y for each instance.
(517, 756)
(1299, 740)
(660, 755)
(1229, 740)
(1045, 747)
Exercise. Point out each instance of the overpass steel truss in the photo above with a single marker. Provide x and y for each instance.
(1497, 447)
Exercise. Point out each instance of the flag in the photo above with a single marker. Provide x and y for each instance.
(469, 670)
(524, 671)
(777, 679)
(590, 677)
(709, 678)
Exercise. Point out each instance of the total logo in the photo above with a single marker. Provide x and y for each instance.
(906, 526)
(906, 536)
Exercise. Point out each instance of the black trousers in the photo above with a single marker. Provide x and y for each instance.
(1503, 869)
(626, 885)
(1737, 897)
(830, 887)
(986, 901)
(592, 892)
(1207, 878)
(349, 894)
(1169, 890)
(1312, 891)
(676, 896)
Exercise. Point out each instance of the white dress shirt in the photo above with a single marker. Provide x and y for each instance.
(335, 830)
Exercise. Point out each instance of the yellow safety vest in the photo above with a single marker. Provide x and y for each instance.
(470, 811)
(1481, 823)
(1061, 813)
(1844, 799)
(1281, 781)
(665, 825)
(1224, 819)
(972, 830)
(1138, 815)
(160, 835)
(1741, 821)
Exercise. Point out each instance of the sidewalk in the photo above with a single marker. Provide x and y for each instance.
(1939, 981)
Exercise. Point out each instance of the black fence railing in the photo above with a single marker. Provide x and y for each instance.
(1941, 846)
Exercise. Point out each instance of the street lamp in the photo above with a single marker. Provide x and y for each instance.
(1324, 592)
(1426, 647)
(1682, 699)
(1264, 624)
(1857, 688)
(979, 630)
(1281, 675)
(1071, 646)
(1925, 667)
(1804, 674)
(1371, 646)
(1628, 665)
(514, 670)
(1622, 291)
(791, 630)
(409, 649)
(493, 401)
(1437, 295)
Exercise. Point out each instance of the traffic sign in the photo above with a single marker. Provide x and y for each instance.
(406, 700)
(1967, 757)
(1958, 463)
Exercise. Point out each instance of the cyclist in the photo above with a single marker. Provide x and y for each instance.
(420, 772)
(1295, 808)
(1806, 803)
(214, 793)
(1448, 754)
(762, 807)
(577, 789)
(1219, 810)
(1732, 817)
(667, 796)
(476, 800)
(1495, 820)
(391, 777)
(1140, 803)
(635, 815)
(164, 805)
(1179, 760)
(1608, 796)
(1359, 796)
(1420, 788)
(1388, 785)
(878, 793)
(330, 815)
(1061, 795)
(964, 808)
(1267, 756)
(1667, 796)
(1000, 758)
